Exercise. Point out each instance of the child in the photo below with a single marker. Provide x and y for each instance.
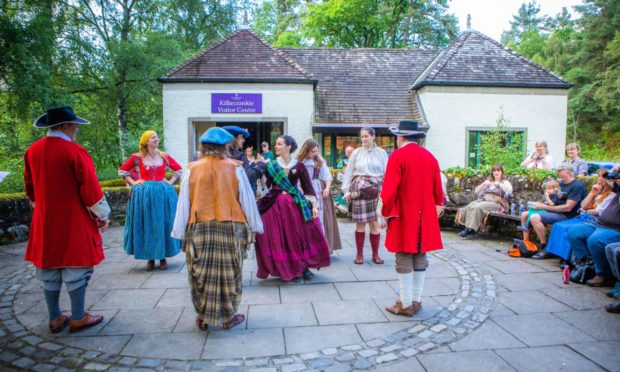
(552, 195)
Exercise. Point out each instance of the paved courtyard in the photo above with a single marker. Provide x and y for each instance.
(482, 311)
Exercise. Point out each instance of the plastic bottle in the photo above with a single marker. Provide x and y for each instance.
(566, 274)
(521, 207)
(512, 208)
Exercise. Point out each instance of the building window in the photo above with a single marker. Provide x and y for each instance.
(474, 140)
(334, 144)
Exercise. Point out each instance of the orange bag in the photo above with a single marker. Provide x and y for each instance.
(522, 248)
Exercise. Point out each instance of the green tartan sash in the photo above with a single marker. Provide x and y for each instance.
(280, 178)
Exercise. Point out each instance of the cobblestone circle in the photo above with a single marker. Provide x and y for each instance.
(20, 349)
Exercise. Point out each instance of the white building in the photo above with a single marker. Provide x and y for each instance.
(456, 94)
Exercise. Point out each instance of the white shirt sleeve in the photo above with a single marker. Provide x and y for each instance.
(183, 206)
(248, 202)
(506, 187)
(348, 174)
(601, 207)
(325, 173)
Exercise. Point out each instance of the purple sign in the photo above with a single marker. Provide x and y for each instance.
(236, 103)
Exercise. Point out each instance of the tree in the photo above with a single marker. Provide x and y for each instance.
(380, 23)
(528, 18)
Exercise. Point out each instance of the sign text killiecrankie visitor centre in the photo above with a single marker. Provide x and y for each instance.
(236, 103)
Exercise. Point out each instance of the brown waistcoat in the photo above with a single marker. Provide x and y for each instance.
(214, 191)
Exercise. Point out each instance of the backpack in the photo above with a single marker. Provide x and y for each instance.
(522, 248)
(582, 271)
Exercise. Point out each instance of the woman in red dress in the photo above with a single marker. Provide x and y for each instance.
(152, 203)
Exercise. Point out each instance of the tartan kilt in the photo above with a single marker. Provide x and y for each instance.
(363, 210)
(214, 255)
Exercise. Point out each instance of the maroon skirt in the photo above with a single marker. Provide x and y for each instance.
(289, 245)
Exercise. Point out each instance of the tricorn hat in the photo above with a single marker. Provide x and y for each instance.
(407, 128)
(235, 131)
(217, 136)
(57, 116)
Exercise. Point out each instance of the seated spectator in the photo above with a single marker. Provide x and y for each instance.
(493, 196)
(590, 239)
(540, 158)
(613, 258)
(444, 187)
(345, 161)
(572, 193)
(598, 199)
(551, 196)
(579, 165)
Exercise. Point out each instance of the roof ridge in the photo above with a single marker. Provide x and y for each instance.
(527, 60)
(428, 68)
(281, 54)
(450, 51)
(202, 52)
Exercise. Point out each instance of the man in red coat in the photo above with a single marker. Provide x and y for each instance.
(412, 198)
(69, 209)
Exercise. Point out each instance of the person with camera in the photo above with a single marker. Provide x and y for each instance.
(540, 158)
(595, 202)
(590, 239)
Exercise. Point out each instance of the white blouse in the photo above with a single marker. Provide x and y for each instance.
(365, 162)
(324, 173)
(246, 199)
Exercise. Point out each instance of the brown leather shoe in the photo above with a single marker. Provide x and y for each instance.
(150, 265)
(398, 309)
(163, 265)
(377, 260)
(57, 325)
(86, 322)
(600, 281)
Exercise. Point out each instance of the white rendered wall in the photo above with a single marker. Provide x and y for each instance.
(183, 103)
(451, 110)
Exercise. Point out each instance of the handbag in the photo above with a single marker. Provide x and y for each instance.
(582, 271)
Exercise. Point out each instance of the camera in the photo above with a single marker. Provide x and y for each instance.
(612, 176)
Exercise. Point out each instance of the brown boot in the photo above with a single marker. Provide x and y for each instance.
(86, 322)
(398, 309)
(374, 243)
(57, 325)
(360, 236)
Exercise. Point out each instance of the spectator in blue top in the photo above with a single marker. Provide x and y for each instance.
(590, 239)
(580, 167)
(572, 193)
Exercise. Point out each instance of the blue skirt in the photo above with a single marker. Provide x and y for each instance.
(149, 219)
(558, 241)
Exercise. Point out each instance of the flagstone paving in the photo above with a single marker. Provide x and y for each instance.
(482, 311)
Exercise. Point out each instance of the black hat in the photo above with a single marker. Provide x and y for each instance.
(407, 128)
(57, 116)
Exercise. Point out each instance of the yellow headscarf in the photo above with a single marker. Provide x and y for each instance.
(144, 139)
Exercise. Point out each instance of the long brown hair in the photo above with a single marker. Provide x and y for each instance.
(500, 168)
(304, 153)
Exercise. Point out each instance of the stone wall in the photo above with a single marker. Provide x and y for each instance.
(15, 214)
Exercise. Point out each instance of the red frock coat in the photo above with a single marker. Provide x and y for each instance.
(411, 190)
(149, 173)
(60, 178)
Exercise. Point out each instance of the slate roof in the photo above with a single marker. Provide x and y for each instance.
(363, 86)
(474, 59)
(241, 57)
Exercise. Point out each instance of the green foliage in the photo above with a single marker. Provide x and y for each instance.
(531, 174)
(501, 146)
(382, 23)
